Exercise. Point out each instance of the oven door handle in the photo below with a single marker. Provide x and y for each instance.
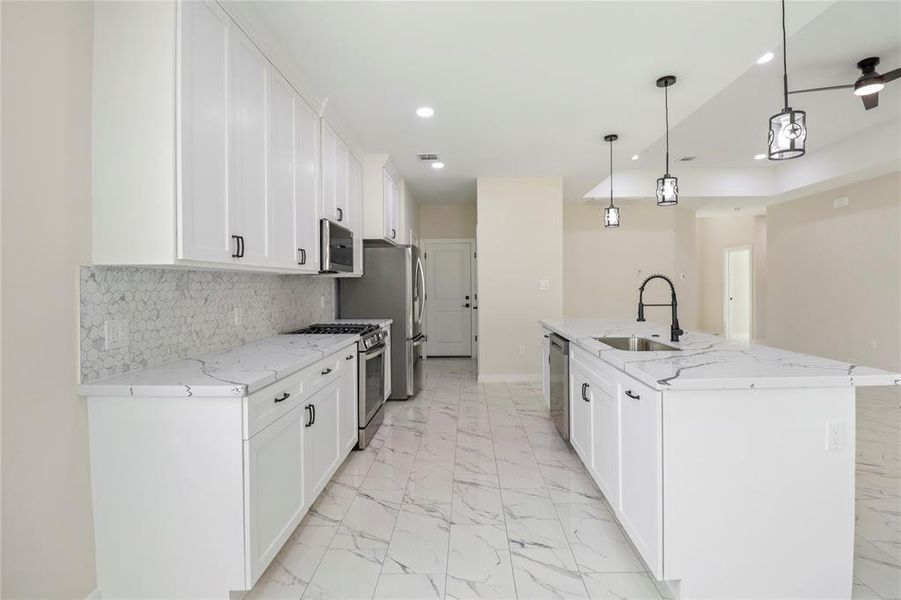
(374, 352)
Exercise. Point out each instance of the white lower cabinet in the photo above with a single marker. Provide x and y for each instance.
(641, 487)
(194, 496)
(320, 438)
(274, 487)
(616, 429)
(347, 403)
(580, 394)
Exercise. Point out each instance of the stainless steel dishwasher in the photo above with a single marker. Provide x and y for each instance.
(559, 384)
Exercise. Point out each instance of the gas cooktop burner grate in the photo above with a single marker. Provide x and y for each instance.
(338, 328)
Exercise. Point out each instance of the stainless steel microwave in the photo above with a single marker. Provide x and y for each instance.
(337, 248)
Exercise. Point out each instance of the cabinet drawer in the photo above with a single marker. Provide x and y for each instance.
(324, 372)
(267, 405)
(602, 375)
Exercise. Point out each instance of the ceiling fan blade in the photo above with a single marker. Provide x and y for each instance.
(822, 89)
(870, 101)
(891, 75)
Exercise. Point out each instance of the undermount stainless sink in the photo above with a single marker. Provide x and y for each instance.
(637, 344)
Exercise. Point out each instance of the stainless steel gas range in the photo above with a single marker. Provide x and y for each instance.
(371, 372)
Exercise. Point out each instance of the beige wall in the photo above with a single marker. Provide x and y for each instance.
(715, 234)
(603, 268)
(520, 241)
(47, 545)
(438, 221)
(834, 274)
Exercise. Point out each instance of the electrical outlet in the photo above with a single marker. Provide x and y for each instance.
(237, 316)
(874, 344)
(841, 202)
(544, 284)
(322, 301)
(115, 333)
(522, 349)
(835, 436)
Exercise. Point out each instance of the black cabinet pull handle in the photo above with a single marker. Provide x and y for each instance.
(340, 214)
(584, 389)
(283, 397)
(633, 396)
(393, 234)
(309, 415)
(314, 414)
(240, 246)
(349, 357)
(303, 256)
(237, 252)
(325, 371)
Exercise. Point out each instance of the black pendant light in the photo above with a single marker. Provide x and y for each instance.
(667, 186)
(788, 129)
(611, 213)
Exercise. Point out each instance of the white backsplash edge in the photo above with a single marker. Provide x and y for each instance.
(162, 315)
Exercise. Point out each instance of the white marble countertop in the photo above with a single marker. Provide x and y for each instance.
(710, 362)
(238, 371)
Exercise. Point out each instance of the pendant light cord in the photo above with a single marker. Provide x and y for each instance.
(611, 172)
(784, 59)
(666, 117)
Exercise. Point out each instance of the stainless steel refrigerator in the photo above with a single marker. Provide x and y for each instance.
(392, 287)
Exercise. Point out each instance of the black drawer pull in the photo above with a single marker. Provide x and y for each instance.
(313, 406)
(633, 396)
(340, 214)
(303, 256)
(309, 410)
(325, 371)
(349, 357)
(584, 389)
(283, 397)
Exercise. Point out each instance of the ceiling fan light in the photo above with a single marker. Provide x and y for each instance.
(871, 85)
(667, 190)
(787, 135)
(611, 216)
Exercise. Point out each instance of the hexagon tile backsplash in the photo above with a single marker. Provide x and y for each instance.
(155, 316)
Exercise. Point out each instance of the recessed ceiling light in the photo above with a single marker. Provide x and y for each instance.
(438, 165)
(634, 157)
(765, 58)
(425, 112)
(759, 156)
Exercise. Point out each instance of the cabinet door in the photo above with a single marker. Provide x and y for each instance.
(355, 208)
(546, 366)
(280, 166)
(247, 172)
(390, 198)
(307, 187)
(204, 229)
(329, 145)
(580, 411)
(342, 191)
(347, 403)
(605, 437)
(320, 443)
(641, 498)
(273, 488)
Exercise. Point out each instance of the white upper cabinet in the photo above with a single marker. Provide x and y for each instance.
(307, 188)
(205, 220)
(355, 209)
(342, 185)
(382, 201)
(228, 175)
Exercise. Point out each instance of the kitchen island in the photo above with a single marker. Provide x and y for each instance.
(729, 465)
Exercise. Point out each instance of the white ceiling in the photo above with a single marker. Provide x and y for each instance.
(530, 88)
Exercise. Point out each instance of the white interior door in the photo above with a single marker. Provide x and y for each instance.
(737, 308)
(449, 297)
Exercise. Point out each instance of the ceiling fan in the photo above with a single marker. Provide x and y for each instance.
(867, 86)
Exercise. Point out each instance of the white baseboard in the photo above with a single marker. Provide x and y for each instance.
(95, 595)
(510, 378)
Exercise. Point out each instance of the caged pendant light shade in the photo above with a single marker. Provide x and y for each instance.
(667, 186)
(611, 213)
(787, 136)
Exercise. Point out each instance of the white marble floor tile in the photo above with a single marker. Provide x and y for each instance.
(479, 564)
(346, 574)
(369, 521)
(291, 571)
(620, 586)
(420, 540)
(476, 467)
(877, 570)
(331, 505)
(437, 447)
(544, 573)
(519, 475)
(418, 586)
(600, 547)
(390, 474)
(570, 484)
(431, 482)
(475, 504)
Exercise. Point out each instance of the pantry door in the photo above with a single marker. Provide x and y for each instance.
(449, 301)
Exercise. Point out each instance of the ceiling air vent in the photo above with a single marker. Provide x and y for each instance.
(428, 157)
(687, 158)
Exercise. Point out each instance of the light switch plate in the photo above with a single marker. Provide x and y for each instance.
(544, 284)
